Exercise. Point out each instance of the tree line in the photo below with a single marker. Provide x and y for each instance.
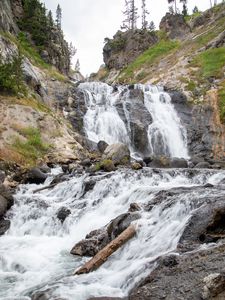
(131, 13)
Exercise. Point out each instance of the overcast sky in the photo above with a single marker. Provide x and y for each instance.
(87, 22)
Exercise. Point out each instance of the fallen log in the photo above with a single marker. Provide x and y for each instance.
(101, 257)
(45, 188)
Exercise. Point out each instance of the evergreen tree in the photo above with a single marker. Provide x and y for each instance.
(151, 26)
(144, 15)
(131, 15)
(58, 17)
(50, 19)
(175, 4)
(171, 10)
(72, 50)
(184, 11)
(195, 10)
(77, 66)
(126, 22)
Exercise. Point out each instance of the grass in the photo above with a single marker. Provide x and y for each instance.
(32, 148)
(211, 62)
(221, 96)
(149, 57)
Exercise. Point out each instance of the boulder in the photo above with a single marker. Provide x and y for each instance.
(4, 226)
(63, 213)
(118, 153)
(178, 163)
(3, 206)
(203, 165)
(159, 162)
(214, 286)
(102, 145)
(136, 166)
(6, 193)
(35, 175)
(2, 176)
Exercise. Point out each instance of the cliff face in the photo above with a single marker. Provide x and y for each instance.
(35, 114)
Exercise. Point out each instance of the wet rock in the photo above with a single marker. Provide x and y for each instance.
(102, 145)
(178, 163)
(6, 194)
(134, 207)
(119, 153)
(214, 286)
(88, 185)
(196, 160)
(136, 166)
(119, 224)
(86, 162)
(4, 226)
(108, 165)
(159, 162)
(108, 298)
(35, 175)
(45, 169)
(203, 165)
(92, 244)
(3, 206)
(63, 213)
(2, 176)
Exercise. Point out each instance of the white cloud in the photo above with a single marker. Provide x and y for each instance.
(87, 22)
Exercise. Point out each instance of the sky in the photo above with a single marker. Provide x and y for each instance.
(87, 22)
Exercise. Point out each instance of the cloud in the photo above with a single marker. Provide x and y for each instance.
(87, 22)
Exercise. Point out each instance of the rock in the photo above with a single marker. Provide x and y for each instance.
(107, 298)
(3, 206)
(86, 162)
(136, 166)
(108, 165)
(102, 145)
(196, 160)
(159, 162)
(178, 163)
(203, 165)
(118, 153)
(45, 169)
(88, 185)
(7, 22)
(63, 213)
(214, 285)
(122, 222)
(94, 242)
(2, 176)
(175, 26)
(134, 207)
(4, 225)
(126, 46)
(6, 193)
(35, 175)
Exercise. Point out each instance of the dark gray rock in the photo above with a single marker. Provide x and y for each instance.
(4, 226)
(3, 206)
(35, 175)
(2, 176)
(7, 195)
(178, 163)
(159, 162)
(203, 165)
(102, 145)
(63, 213)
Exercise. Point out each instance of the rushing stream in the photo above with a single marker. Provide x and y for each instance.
(35, 252)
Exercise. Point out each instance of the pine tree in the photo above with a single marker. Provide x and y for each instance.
(77, 66)
(185, 10)
(195, 10)
(50, 19)
(175, 4)
(72, 50)
(126, 22)
(151, 26)
(144, 15)
(133, 15)
(59, 17)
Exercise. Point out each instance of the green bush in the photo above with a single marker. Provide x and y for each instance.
(221, 94)
(11, 76)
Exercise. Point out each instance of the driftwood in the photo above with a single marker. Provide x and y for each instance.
(45, 188)
(109, 249)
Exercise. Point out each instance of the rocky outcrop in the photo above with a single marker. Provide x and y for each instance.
(119, 153)
(126, 46)
(7, 22)
(175, 26)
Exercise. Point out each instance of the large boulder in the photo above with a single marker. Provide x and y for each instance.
(4, 226)
(119, 153)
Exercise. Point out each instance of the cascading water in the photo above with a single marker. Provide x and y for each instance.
(34, 254)
(166, 135)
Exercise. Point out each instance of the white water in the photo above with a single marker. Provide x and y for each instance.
(166, 134)
(34, 254)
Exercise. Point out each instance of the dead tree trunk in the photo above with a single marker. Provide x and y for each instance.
(109, 249)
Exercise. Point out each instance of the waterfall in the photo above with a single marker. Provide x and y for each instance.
(104, 121)
(34, 254)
